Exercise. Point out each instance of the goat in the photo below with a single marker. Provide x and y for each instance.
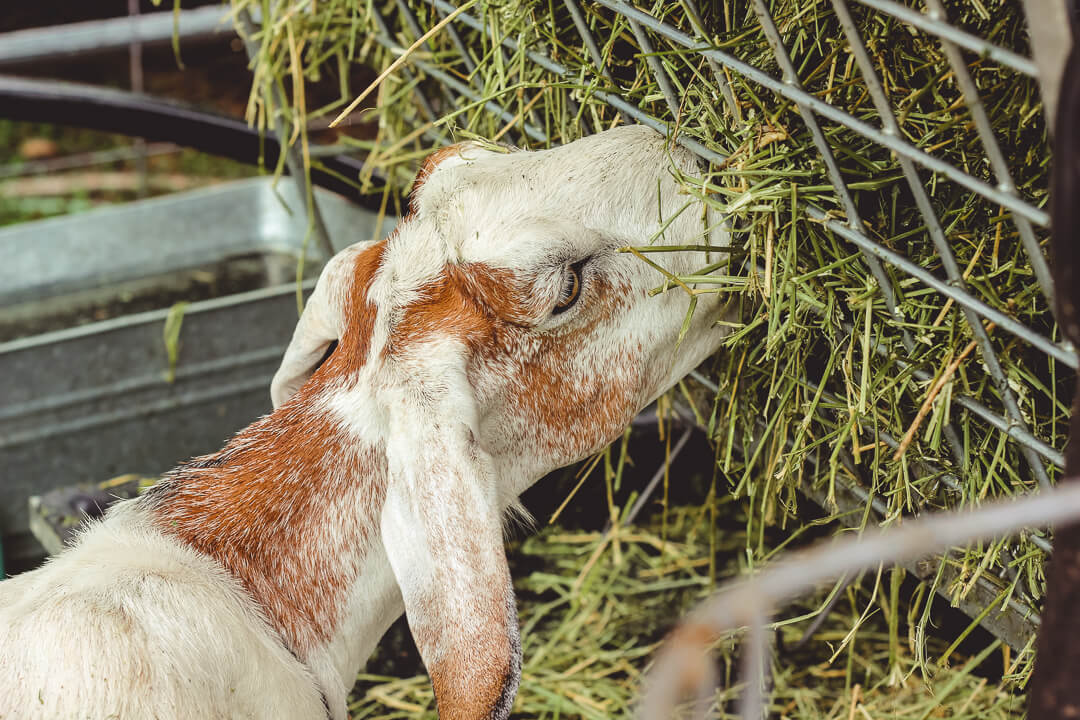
(497, 335)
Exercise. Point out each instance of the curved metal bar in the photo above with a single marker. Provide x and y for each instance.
(896, 144)
(937, 233)
(934, 26)
(117, 111)
(993, 153)
(740, 604)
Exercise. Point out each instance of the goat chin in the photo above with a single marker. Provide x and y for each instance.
(130, 623)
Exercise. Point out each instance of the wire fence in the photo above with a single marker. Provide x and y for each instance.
(601, 62)
(449, 80)
(957, 335)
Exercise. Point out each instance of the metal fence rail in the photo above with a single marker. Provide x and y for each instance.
(1025, 213)
(439, 89)
(445, 78)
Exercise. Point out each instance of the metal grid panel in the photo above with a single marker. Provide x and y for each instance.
(1025, 213)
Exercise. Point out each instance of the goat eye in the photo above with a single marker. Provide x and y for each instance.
(571, 289)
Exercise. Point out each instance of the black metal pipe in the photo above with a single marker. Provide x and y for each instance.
(137, 115)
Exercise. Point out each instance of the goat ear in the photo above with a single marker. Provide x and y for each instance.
(321, 324)
(441, 527)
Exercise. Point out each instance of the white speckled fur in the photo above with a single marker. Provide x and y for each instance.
(132, 623)
(169, 633)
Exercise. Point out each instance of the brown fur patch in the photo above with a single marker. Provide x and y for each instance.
(578, 410)
(493, 313)
(470, 676)
(468, 301)
(277, 505)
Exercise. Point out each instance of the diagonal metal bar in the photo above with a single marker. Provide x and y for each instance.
(611, 98)
(897, 144)
(413, 26)
(587, 38)
(993, 153)
(772, 35)
(654, 481)
(508, 61)
(718, 72)
(575, 108)
(975, 44)
(937, 234)
(463, 50)
(1018, 433)
(591, 47)
(459, 44)
(656, 68)
(426, 108)
(451, 82)
(474, 79)
(961, 297)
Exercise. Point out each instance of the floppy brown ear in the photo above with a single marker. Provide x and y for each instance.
(441, 527)
(321, 323)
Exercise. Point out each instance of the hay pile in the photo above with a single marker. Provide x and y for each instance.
(593, 612)
(819, 370)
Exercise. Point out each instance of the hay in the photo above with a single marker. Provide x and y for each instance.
(587, 643)
(817, 370)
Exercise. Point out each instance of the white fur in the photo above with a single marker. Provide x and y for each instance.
(171, 634)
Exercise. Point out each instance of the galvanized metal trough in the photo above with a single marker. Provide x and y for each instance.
(82, 404)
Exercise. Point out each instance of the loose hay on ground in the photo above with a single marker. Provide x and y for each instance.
(586, 643)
